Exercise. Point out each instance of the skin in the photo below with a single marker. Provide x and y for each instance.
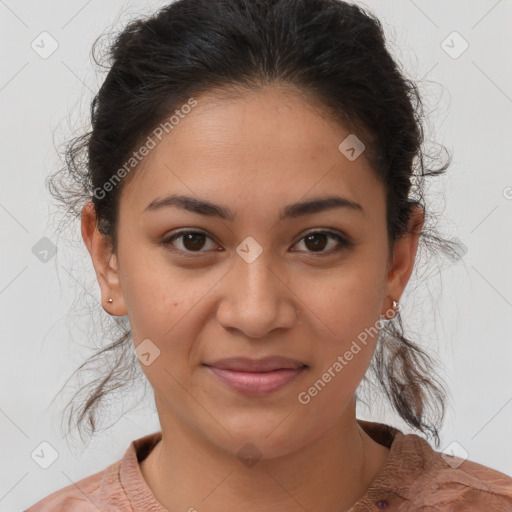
(254, 153)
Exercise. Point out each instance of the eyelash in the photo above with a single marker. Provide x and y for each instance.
(344, 242)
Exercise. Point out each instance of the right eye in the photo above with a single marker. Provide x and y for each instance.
(191, 241)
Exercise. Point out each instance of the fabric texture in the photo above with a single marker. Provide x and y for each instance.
(414, 478)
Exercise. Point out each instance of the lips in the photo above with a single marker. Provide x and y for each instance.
(266, 364)
(256, 377)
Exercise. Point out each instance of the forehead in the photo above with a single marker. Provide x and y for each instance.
(265, 146)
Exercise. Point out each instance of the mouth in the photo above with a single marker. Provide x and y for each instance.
(265, 364)
(256, 377)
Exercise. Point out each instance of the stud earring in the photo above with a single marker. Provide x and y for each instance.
(110, 300)
(396, 306)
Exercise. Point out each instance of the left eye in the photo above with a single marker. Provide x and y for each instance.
(194, 241)
(317, 239)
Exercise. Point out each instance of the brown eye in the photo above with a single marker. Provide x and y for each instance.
(191, 241)
(317, 242)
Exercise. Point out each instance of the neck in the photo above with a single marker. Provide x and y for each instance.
(185, 472)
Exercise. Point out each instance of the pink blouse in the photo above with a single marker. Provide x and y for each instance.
(414, 478)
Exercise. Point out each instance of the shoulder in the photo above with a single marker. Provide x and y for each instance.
(90, 494)
(445, 482)
(117, 488)
(416, 477)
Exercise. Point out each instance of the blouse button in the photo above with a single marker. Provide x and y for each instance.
(382, 504)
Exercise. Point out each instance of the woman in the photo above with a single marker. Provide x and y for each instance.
(254, 177)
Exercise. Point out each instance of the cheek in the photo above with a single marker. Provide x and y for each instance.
(155, 296)
(153, 292)
(346, 333)
(345, 303)
(345, 308)
(163, 303)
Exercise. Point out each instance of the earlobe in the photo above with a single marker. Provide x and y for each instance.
(104, 261)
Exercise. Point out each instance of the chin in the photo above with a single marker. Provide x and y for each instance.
(257, 439)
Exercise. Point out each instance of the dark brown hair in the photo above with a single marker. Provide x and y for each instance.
(332, 52)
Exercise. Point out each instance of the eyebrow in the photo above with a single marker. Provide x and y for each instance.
(207, 208)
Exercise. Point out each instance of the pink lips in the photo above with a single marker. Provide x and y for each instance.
(257, 377)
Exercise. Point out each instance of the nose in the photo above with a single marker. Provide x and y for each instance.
(257, 298)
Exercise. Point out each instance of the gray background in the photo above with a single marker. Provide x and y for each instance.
(467, 321)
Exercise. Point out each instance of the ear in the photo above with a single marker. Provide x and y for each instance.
(404, 255)
(105, 262)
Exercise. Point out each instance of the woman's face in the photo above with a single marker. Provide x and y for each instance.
(255, 284)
